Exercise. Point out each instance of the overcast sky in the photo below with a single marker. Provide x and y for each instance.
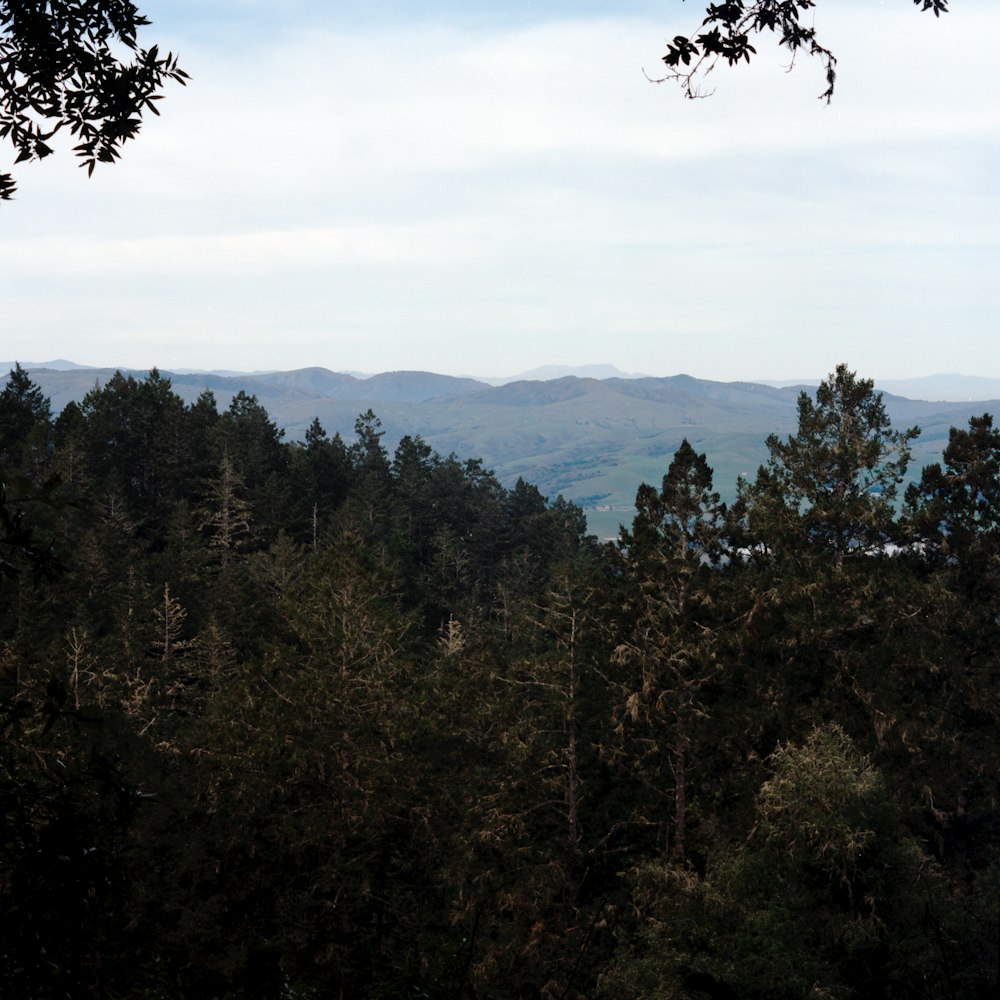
(481, 189)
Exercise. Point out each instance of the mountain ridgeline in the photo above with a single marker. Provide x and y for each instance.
(290, 719)
(590, 440)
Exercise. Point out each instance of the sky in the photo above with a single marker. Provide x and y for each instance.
(483, 188)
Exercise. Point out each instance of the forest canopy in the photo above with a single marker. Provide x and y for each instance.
(287, 719)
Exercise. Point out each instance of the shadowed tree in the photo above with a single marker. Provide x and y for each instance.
(252, 441)
(955, 510)
(24, 420)
(134, 441)
(953, 516)
(21, 543)
(226, 512)
(828, 896)
(831, 486)
(668, 656)
(322, 473)
(837, 627)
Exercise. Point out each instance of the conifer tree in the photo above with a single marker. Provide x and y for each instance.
(827, 895)
(831, 486)
(25, 415)
(226, 511)
(668, 655)
(954, 510)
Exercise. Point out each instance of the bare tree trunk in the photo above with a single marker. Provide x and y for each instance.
(680, 798)
(572, 790)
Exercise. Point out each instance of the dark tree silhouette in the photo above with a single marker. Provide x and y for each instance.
(730, 28)
(76, 65)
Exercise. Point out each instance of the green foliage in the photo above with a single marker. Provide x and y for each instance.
(685, 521)
(954, 511)
(66, 807)
(22, 544)
(828, 870)
(592, 447)
(831, 485)
(24, 422)
(317, 720)
(669, 657)
(804, 907)
(134, 442)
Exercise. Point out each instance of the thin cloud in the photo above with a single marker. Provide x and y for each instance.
(416, 192)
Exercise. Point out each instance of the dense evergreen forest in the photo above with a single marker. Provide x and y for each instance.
(287, 720)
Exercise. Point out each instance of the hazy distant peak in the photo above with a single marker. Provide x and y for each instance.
(59, 365)
(952, 388)
(941, 388)
(220, 372)
(789, 383)
(548, 373)
(319, 382)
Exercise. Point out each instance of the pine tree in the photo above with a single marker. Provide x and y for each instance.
(668, 655)
(831, 486)
(226, 512)
(25, 417)
(827, 895)
(954, 511)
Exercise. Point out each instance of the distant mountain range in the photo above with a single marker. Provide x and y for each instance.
(548, 372)
(593, 440)
(950, 388)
